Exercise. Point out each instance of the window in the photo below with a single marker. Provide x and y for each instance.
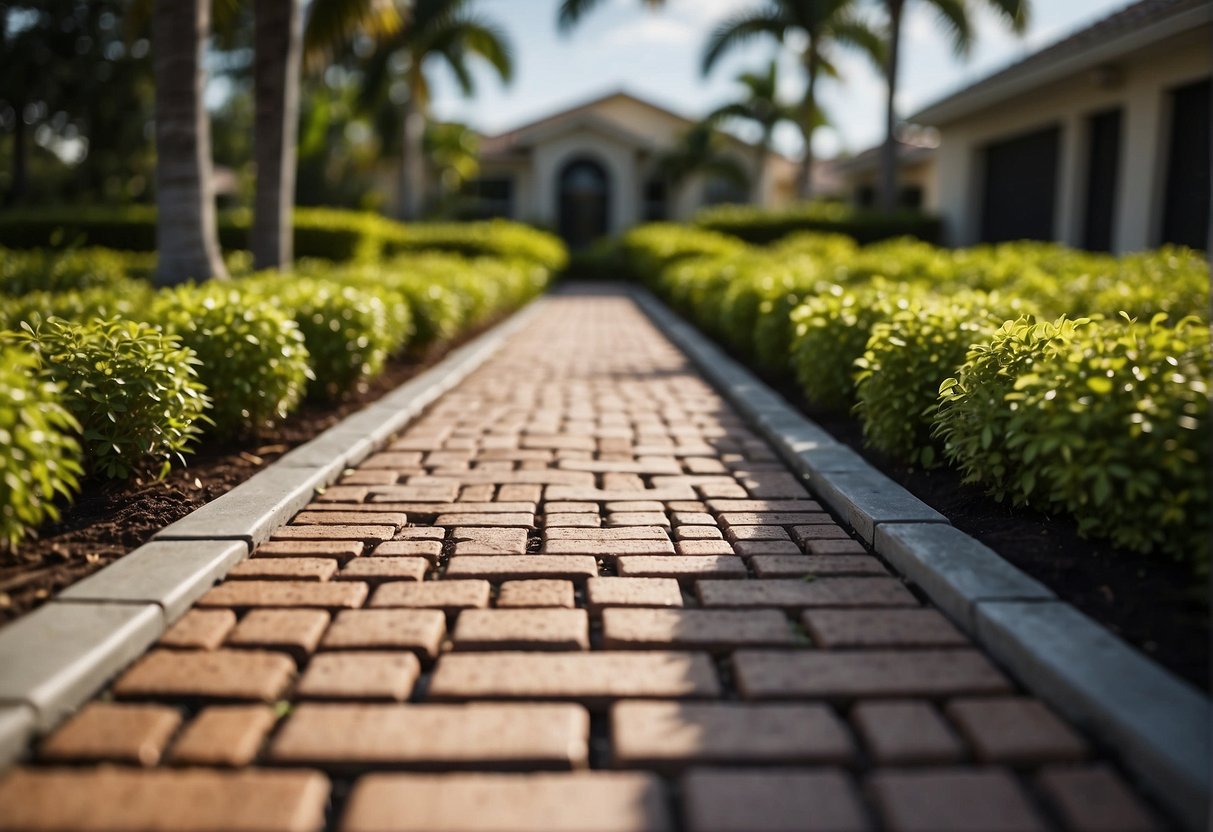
(493, 197)
(1020, 196)
(1186, 202)
(656, 206)
(1103, 163)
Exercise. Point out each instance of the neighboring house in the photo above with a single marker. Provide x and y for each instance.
(916, 178)
(595, 169)
(1100, 140)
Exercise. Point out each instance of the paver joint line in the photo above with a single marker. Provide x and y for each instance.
(562, 551)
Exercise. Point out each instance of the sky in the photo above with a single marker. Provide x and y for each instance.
(622, 45)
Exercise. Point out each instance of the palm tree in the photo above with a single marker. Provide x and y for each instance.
(571, 11)
(954, 15)
(822, 24)
(701, 151)
(760, 105)
(445, 29)
(186, 233)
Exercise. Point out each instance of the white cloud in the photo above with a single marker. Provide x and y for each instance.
(649, 30)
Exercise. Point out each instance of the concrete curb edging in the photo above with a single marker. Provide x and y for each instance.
(99, 625)
(1158, 724)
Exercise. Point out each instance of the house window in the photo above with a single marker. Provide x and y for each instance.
(1020, 196)
(1103, 164)
(1186, 202)
(656, 200)
(720, 189)
(493, 196)
(910, 197)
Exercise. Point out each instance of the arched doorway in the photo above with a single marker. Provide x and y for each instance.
(584, 197)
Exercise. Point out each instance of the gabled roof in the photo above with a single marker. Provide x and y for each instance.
(907, 154)
(1134, 27)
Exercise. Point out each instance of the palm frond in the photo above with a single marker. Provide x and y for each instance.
(954, 16)
(331, 24)
(740, 29)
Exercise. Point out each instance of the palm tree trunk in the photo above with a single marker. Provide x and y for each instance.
(810, 123)
(277, 41)
(888, 151)
(760, 168)
(412, 163)
(186, 235)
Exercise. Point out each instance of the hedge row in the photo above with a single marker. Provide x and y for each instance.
(326, 233)
(1072, 382)
(106, 376)
(755, 224)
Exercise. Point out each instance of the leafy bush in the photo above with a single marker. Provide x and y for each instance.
(1106, 421)
(761, 225)
(251, 355)
(493, 238)
(39, 455)
(133, 389)
(23, 272)
(650, 249)
(908, 356)
(124, 299)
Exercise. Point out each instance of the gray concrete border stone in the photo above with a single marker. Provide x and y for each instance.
(1158, 724)
(16, 729)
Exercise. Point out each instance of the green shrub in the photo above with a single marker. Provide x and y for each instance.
(126, 228)
(1110, 423)
(39, 455)
(123, 299)
(133, 389)
(650, 249)
(492, 238)
(39, 270)
(251, 354)
(761, 225)
(908, 356)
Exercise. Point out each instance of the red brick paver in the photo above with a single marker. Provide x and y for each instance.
(581, 560)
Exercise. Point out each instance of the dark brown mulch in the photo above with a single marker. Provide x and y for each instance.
(109, 519)
(1157, 605)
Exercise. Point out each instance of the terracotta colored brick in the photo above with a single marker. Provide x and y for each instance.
(341, 550)
(638, 507)
(692, 518)
(653, 465)
(909, 732)
(189, 800)
(296, 632)
(507, 567)
(525, 629)
(797, 594)
(515, 492)
(343, 494)
(560, 442)
(224, 735)
(685, 567)
(571, 520)
(833, 566)
(835, 547)
(697, 533)
(419, 533)
(796, 506)
(370, 478)
(579, 494)
(608, 548)
(392, 459)
(479, 735)
(678, 734)
(704, 547)
(882, 628)
(822, 531)
(1015, 730)
(485, 520)
(200, 629)
(421, 631)
(412, 493)
(213, 674)
(633, 628)
(749, 548)
(414, 509)
(350, 518)
(538, 593)
(771, 518)
(771, 800)
(603, 801)
(284, 569)
(637, 518)
(365, 533)
(431, 550)
(327, 595)
(943, 800)
(875, 673)
(381, 570)
(632, 533)
(687, 505)
(593, 678)
(372, 675)
(121, 733)
(1094, 799)
(571, 508)
(448, 596)
(480, 541)
(737, 534)
(632, 592)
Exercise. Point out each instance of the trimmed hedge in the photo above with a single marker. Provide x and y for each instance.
(760, 225)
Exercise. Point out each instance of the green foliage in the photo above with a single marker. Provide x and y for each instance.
(492, 238)
(23, 272)
(39, 455)
(124, 299)
(133, 389)
(1107, 421)
(907, 357)
(650, 249)
(760, 225)
(251, 354)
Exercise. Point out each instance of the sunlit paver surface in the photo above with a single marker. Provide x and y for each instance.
(578, 594)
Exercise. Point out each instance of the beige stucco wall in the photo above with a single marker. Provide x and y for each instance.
(921, 174)
(1141, 89)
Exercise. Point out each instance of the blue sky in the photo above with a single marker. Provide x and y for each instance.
(656, 55)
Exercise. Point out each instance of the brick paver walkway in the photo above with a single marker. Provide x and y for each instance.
(579, 594)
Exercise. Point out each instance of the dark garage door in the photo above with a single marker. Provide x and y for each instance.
(1020, 193)
(1185, 217)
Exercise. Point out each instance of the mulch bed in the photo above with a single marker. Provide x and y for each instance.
(109, 519)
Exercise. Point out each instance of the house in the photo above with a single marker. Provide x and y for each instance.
(1100, 140)
(596, 169)
(860, 175)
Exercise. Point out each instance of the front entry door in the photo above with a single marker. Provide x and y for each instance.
(585, 200)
